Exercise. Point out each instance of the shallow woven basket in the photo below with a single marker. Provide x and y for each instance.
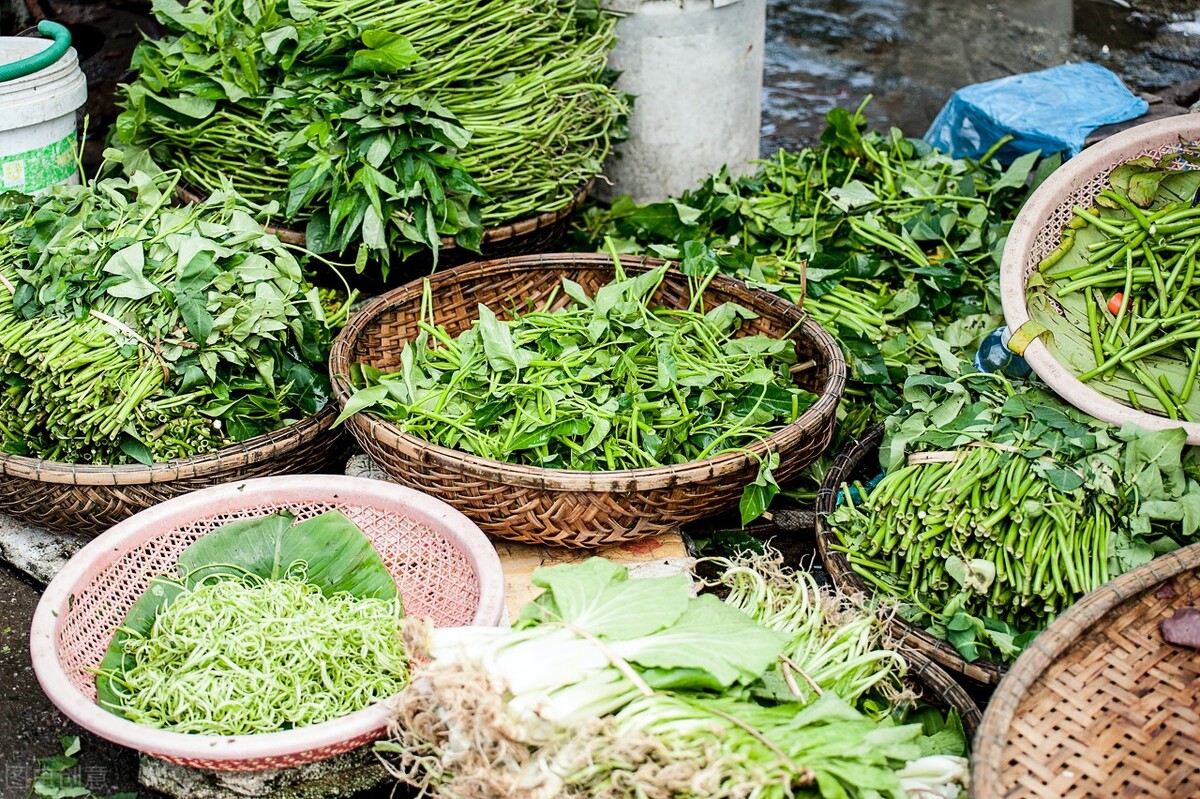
(1038, 230)
(518, 237)
(940, 690)
(1100, 705)
(88, 499)
(559, 506)
(860, 461)
(445, 569)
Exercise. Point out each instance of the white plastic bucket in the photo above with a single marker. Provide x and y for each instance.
(38, 138)
(696, 69)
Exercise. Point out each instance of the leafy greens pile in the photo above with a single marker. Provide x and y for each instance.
(902, 245)
(268, 625)
(605, 382)
(131, 330)
(609, 687)
(1000, 506)
(390, 124)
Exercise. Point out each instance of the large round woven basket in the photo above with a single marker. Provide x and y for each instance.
(1038, 230)
(558, 506)
(88, 499)
(860, 461)
(1099, 705)
(445, 570)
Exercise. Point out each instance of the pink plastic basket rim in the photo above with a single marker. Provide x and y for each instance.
(1100, 157)
(91, 559)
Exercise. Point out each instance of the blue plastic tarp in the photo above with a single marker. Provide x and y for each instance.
(1053, 110)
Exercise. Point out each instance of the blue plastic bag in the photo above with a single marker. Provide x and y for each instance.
(1053, 110)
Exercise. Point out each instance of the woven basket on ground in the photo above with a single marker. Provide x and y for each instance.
(558, 506)
(1038, 229)
(860, 461)
(89, 499)
(1099, 705)
(445, 570)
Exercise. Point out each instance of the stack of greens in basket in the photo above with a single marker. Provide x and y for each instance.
(1000, 506)
(266, 625)
(902, 244)
(1119, 294)
(606, 382)
(386, 123)
(612, 688)
(133, 330)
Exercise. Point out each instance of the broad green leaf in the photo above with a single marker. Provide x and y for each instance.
(129, 263)
(497, 342)
(597, 596)
(361, 400)
(701, 639)
(385, 52)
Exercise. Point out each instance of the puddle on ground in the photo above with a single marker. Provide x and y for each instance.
(910, 55)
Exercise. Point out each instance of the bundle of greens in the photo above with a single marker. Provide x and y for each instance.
(131, 330)
(609, 687)
(1000, 506)
(268, 626)
(1118, 293)
(604, 382)
(390, 124)
(902, 245)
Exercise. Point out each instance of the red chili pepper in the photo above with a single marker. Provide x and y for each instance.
(1114, 304)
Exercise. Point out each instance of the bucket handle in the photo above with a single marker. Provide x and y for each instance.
(39, 61)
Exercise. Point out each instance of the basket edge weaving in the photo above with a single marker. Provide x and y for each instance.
(1027, 241)
(987, 761)
(87, 499)
(632, 495)
(986, 672)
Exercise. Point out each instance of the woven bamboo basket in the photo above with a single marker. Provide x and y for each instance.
(558, 506)
(88, 499)
(860, 461)
(445, 570)
(518, 237)
(1038, 230)
(1099, 705)
(941, 690)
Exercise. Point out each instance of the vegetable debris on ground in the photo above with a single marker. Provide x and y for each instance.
(902, 244)
(133, 330)
(1119, 292)
(610, 687)
(385, 123)
(1000, 506)
(607, 382)
(270, 626)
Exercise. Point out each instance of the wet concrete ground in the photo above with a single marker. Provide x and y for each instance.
(909, 54)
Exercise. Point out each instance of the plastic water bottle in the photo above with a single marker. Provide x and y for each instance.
(994, 355)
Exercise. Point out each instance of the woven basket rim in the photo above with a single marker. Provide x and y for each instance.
(987, 672)
(118, 540)
(1101, 157)
(241, 453)
(616, 481)
(1059, 636)
(929, 674)
(500, 232)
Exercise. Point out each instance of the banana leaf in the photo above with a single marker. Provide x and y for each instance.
(336, 555)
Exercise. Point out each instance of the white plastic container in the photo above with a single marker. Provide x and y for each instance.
(696, 69)
(38, 138)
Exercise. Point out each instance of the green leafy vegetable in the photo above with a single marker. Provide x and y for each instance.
(607, 382)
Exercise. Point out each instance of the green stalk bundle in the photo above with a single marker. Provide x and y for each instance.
(390, 124)
(1119, 293)
(134, 330)
(1000, 506)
